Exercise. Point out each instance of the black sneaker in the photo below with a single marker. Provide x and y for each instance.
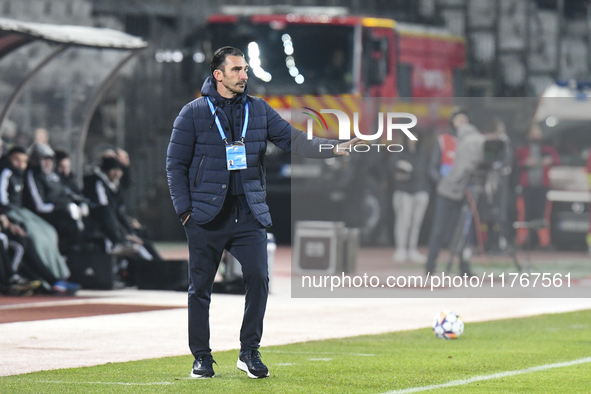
(250, 362)
(203, 367)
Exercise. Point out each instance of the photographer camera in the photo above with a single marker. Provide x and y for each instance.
(451, 190)
(484, 185)
(496, 194)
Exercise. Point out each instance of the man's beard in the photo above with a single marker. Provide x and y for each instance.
(235, 88)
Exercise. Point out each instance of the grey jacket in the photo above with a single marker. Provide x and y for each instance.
(469, 155)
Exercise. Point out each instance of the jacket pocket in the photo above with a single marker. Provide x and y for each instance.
(199, 170)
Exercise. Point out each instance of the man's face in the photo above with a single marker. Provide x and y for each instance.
(115, 174)
(233, 75)
(19, 160)
(64, 167)
(460, 119)
(535, 132)
(47, 165)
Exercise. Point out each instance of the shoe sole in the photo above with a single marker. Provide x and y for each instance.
(195, 376)
(242, 366)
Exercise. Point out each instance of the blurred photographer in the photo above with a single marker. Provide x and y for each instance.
(451, 189)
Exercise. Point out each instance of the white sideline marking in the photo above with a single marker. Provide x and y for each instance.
(320, 359)
(115, 383)
(492, 376)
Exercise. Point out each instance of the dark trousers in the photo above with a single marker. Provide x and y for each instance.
(447, 213)
(534, 198)
(5, 269)
(236, 229)
(67, 229)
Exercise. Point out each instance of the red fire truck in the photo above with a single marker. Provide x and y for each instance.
(314, 55)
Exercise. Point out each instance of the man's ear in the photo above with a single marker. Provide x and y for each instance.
(218, 75)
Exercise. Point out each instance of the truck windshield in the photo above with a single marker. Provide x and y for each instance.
(292, 59)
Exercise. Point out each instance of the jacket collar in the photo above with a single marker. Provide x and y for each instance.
(209, 89)
(6, 163)
(111, 185)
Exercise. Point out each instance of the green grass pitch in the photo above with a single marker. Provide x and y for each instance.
(365, 364)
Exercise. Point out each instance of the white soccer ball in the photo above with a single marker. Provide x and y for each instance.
(448, 325)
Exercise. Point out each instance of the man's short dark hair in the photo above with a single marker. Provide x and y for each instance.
(16, 149)
(109, 163)
(459, 110)
(219, 57)
(61, 154)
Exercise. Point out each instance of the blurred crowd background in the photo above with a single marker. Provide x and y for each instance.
(513, 48)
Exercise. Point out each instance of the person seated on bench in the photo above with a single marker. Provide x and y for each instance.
(42, 235)
(11, 283)
(25, 268)
(46, 196)
(108, 214)
(63, 168)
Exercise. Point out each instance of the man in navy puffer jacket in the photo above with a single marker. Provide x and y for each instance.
(224, 208)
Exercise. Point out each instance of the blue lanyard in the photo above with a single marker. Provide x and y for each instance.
(217, 121)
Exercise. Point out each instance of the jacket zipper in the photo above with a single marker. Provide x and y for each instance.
(198, 171)
(262, 170)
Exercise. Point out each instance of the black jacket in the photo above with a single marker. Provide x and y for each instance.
(72, 188)
(410, 170)
(44, 194)
(11, 186)
(104, 203)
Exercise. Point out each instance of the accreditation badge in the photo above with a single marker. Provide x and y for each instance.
(236, 156)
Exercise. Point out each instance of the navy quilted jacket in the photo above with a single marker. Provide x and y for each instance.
(196, 158)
